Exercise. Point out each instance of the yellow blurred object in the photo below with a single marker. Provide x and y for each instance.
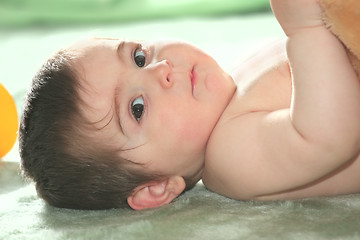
(9, 122)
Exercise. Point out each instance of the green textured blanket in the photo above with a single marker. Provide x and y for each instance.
(198, 214)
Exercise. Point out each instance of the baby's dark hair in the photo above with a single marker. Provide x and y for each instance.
(69, 169)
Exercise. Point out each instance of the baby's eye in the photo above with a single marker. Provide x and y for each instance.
(137, 108)
(139, 57)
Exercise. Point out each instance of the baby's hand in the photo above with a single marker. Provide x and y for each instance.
(296, 15)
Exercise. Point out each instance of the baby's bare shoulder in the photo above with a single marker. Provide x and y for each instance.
(229, 168)
(240, 165)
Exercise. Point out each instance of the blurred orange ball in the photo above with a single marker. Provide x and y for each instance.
(9, 122)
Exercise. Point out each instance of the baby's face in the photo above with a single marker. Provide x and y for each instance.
(156, 101)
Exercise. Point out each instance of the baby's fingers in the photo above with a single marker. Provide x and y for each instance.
(294, 15)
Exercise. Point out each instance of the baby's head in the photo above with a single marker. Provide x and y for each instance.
(110, 123)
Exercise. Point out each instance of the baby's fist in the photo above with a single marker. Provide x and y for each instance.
(295, 15)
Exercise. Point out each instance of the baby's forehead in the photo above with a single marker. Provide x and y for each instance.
(84, 50)
(86, 46)
(81, 49)
(88, 54)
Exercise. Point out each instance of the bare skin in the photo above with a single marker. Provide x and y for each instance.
(290, 134)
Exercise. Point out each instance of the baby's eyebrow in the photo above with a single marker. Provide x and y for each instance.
(117, 109)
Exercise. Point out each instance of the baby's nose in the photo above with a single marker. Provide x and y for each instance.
(162, 71)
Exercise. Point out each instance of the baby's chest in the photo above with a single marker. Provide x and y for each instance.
(233, 143)
(268, 91)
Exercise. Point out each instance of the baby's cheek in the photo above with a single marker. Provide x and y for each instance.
(195, 133)
(180, 127)
(215, 83)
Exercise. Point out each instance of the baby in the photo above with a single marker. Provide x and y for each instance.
(110, 123)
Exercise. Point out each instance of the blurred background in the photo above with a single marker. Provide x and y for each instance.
(50, 13)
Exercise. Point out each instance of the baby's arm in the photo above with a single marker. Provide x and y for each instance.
(325, 107)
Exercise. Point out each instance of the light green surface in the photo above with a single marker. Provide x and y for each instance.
(199, 214)
(22, 13)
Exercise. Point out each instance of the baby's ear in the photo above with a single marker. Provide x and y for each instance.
(156, 194)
